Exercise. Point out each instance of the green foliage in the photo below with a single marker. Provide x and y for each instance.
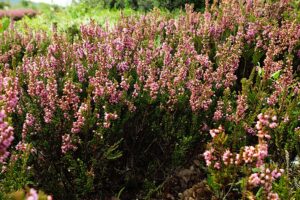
(179, 4)
(69, 19)
(4, 5)
(16, 175)
(145, 4)
(4, 24)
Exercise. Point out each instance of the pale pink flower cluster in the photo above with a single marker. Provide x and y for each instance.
(80, 72)
(209, 157)
(51, 98)
(70, 99)
(6, 137)
(218, 114)
(67, 144)
(9, 92)
(21, 146)
(265, 179)
(98, 83)
(46, 94)
(228, 157)
(108, 117)
(249, 155)
(215, 132)
(241, 107)
(33, 195)
(29, 122)
(265, 121)
(273, 99)
(80, 118)
(250, 130)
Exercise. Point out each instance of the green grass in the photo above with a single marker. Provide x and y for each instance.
(73, 16)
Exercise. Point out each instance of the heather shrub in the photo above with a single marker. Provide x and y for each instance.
(17, 14)
(145, 4)
(100, 111)
(229, 162)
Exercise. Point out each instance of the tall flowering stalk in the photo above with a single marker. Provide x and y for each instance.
(6, 137)
(218, 156)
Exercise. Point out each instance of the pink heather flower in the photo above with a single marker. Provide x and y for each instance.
(265, 121)
(21, 146)
(154, 87)
(11, 92)
(29, 121)
(67, 144)
(108, 117)
(48, 115)
(249, 154)
(238, 159)
(204, 127)
(3, 169)
(258, 125)
(124, 84)
(286, 119)
(273, 125)
(80, 72)
(215, 132)
(276, 174)
(262, 153)
(272, 100)
(273, 196)
(33, 195)
(123, 66)
(208, 156)
(218, 115)
(70, 98)
(250, 130)
(78, 124)
(265, 179)
(227, 157)
(241, 107)
(217, 165)
(254, 180)
(6, 137)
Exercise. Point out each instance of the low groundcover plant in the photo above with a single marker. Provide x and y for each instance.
(113, 111)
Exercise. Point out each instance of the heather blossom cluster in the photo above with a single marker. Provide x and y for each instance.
(249, 155)
(265, 179)
(67, 144)
(79, 123)
(34, 195)
(6, 136)
(68, 140)
(29, 122)
(9, 92)
(108, 118)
